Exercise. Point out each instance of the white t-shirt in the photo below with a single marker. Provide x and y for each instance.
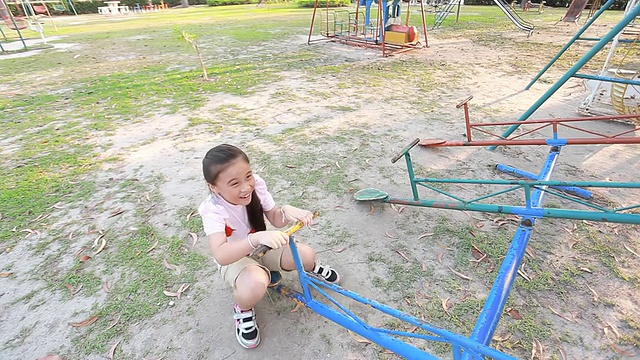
(218, 215)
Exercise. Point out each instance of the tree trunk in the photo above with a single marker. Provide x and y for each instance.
(185, 3)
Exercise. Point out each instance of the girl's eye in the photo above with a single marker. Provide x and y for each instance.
(234, 184)
(249, 176)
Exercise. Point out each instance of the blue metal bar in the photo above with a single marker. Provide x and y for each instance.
(598, 184)
(493, 307)
(627, 207)
(492, 310)
(573, 39)
(300, 269)
(607, 79)
(598, 39)
(585, 203)
(585, 194)
(599, 216)
(578, 65)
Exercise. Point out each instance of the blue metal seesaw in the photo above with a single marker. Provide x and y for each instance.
(534, 186)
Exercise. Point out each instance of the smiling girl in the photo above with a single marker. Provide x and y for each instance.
(233, 216)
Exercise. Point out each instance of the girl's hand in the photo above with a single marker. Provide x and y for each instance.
(293, 213)
(272, 239)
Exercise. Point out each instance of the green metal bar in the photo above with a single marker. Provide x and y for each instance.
(626, 20)
(598, 184)
(412, 176)
(582, 202)
(627, 208)
(498, 193)
(442, 192)
(607, 79)
(573, 39)
(522, 211)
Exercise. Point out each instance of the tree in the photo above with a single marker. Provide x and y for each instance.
(184, 3)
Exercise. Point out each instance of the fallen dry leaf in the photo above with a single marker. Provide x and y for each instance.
(595, 294)
(537, 351)
(425, 235)
(479, 225)
(87, 322)
(182, 289)
(531, 252)
(194, 237)
(113, 350)
(338, 250)
(71, 234)
(50, 357)
(372, 210)
(502, 337)
(472, 233)
(407, 301)
(297, 307)
(113, 323)
(79, 251)
(446, 305)
(562, 354)
(189, 215)
(105, 286)
(387, 351)
(557, 313)
(614, 329)
(390, 235)
(358, 338)
(424, 267)
(5, 274)
(620, 351)
(95, 242)
(116, 212)
(477, 253)
(585, 270)
(102, 245)
(515, 314)
(85, 258)
(170, 294)
(460, 275)
(153, 247)
(403, 255)
(631, 251)
(171, 266)
(0, 216)
(440, 257)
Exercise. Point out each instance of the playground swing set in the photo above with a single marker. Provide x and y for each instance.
(534, 188)
(33, 11)
(385, 31)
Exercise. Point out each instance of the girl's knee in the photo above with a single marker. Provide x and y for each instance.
(252, 282)
(308, 256)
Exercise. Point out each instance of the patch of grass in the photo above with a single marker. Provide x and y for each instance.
(602, 246)
(138, 293)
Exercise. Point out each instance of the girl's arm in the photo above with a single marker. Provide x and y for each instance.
(227, 252)
(281, 216)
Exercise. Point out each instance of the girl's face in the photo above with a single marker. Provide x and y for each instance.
(235, 183)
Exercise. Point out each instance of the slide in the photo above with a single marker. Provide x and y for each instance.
(517, 20)
(574, 11)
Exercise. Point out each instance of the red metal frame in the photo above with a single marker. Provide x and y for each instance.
(355, 40)
(556, 124)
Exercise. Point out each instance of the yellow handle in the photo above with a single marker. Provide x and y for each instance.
(259, 252)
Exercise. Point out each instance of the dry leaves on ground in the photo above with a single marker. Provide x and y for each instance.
(84, 323)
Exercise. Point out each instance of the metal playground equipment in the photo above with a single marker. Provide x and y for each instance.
(378, 26)
(534, 188)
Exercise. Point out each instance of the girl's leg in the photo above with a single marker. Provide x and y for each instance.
(307, 256)
(251, 285)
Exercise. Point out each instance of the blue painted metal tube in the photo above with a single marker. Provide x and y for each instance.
(598, 39)
(607, 79)
(414, 188)
(521, 210)
(577, 66)
(585, 194)
(494, 305)
(602, 184)
(570, 42)
(299, 268)
(497, 299)
(450, 337)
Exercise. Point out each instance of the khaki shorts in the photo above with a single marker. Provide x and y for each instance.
(269, 262)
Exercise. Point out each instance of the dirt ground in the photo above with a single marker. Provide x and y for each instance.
(593, 315)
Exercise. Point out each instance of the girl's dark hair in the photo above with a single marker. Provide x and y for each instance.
(215, 161)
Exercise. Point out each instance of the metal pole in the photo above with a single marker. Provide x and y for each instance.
(458, 12)
(313, 19)
(577, 66)
(573, 39)
(585, 194)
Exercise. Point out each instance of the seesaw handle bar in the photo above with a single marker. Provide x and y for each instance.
(405, 150)
(263, 249)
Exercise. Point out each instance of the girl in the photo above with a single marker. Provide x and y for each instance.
(233, 219)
